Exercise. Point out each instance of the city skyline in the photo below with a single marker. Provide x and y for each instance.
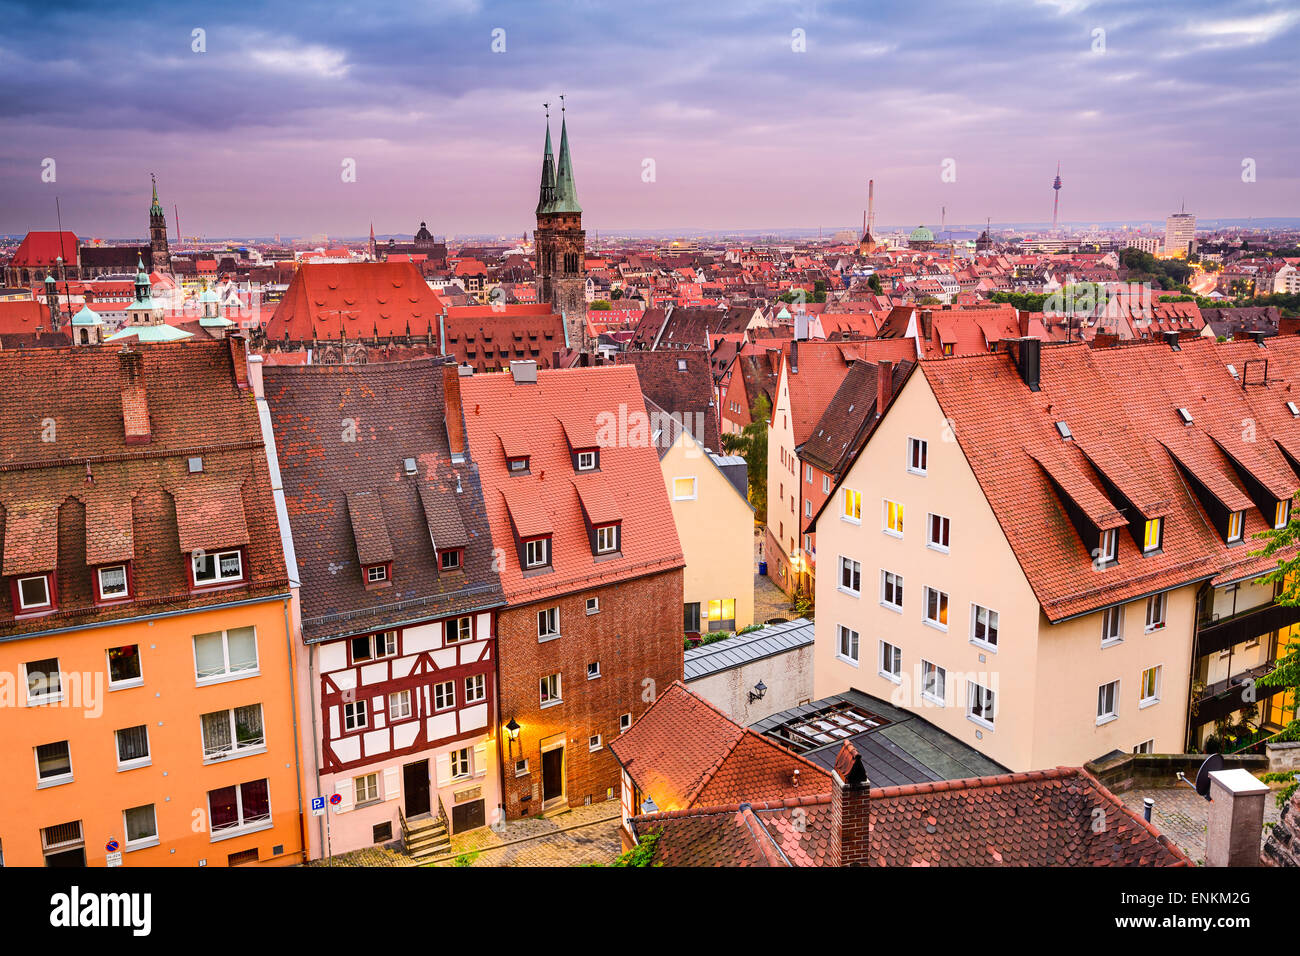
(250, 136)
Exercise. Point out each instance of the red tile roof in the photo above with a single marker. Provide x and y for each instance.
(500, 412)
(354, 300)
(41, 250)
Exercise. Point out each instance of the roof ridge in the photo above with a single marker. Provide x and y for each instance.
(972, 783)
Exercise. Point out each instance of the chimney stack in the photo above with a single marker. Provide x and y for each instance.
(884, 385)
(451, 409)
(1171, 340)
(1236, 818)
(1258, 335)
(1029, 361)
(239, 359)
(135, 402)
(850, 810)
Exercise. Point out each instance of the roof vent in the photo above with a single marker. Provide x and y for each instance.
(1064, 431)
(1295, 412)
(1185, 415)
(196, 465)
(1232, 370)
(524, 372)
(409, 466)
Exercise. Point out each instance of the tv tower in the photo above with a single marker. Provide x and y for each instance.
(1056, 187)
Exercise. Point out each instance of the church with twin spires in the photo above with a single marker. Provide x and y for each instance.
(559, 240)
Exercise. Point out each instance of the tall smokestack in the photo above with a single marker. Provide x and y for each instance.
(871, 206)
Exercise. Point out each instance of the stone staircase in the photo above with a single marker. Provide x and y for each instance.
(426, 837)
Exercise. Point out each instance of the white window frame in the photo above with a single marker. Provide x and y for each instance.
(365, 789)
(946, 524)
(461, 763)
(1282, 514)
(992, 623)
(1158, 601)
(140, 842)
(218, 577)
(976, 691)
(399, 705)
(1108, 546)
(521, 767)
(924, 446)
(941, 608)
(624, 722)
(62, 778)
(694, 493)
(592, 675)
(594, 743)
(459, 630)
(941, 683)
(1106, 716)
(236, 749)
(376, 573)
(854, 569)
(1236, 525)
(356, 714)
(129, 681)
(1159, 522)
(885, 505)
(550, 618)
(1154, 698)
(1112, 615)
(593, 605)
(848, 644)
(607, 539)
(537, 553)
(1146, 747)
(826, 484)
(586, 461)
(126, 583)
(551, 690)
(227, 673)
(898, 587)
(45, 583)
(46, 698)
(889, 662)
(134, 762)
(847, 494)
(475, 688)
(446, 691)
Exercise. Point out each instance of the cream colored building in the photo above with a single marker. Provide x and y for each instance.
(1067, 575)
(715, 524)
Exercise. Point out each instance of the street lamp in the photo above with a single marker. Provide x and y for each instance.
(757, 693)
(512, 733)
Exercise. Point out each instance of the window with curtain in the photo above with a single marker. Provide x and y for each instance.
(132, 744)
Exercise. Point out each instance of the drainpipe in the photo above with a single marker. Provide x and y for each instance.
(297, 753)
(501, 735)
(442, 333)
(315, 738)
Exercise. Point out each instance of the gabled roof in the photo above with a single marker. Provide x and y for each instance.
(355, 300)
(681, 383)
(343, 434)
(851, 415)
(42, 250)
(815, 371)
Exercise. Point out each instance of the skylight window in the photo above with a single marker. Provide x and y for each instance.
(409, 466)
(1295, 412)
(1185, 415)
(1064, 431)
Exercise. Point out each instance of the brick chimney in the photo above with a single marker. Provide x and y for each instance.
(884, 385)
(238, 346)
(135, 402)
(850, 810)
(1236, 818)
(451, 405)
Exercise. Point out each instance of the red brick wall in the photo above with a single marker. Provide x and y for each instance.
(637, 639)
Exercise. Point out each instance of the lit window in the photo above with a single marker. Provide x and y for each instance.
(1234, 525)
(1155, 612)
(124, 665)
(984, 626)
(722, 614)
(852, 504)
(891, 661)
(893, 518)
(1282, 514)
(936, 608)
(918, 453)
(848, 643)
(1152, 534)
(937, 531)
(1150, 686)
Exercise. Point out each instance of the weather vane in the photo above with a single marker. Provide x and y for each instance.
(561, 102)
(548, 110)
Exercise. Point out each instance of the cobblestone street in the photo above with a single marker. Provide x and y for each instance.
(769, 600)
(1181, 815)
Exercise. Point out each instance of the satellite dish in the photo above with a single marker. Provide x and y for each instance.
(1212, 763)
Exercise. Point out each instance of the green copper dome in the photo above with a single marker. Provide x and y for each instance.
(921, 234)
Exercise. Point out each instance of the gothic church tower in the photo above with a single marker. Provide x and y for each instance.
(560, 241)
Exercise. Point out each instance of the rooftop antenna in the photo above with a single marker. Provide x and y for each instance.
(58, 212)
(176, 211)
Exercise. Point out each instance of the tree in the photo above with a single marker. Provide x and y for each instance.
(600, 305)
(751, 444)
(873, 283)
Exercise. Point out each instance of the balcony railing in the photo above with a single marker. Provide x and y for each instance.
(1225, 697)
(1217, 635)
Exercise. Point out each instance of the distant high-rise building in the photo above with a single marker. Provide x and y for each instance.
(560, 241)
(1150, 244)
(1180, 233)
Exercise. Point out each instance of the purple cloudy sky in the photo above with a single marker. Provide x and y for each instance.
(745, 133)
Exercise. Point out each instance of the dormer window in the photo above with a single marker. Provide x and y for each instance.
(587, 460)
(112, 583)
(220, 567)
(1153, 535)
(451, 559)
(537, 553)
(1108, 549)
(1282, 514)
(378, 573)
(607, 539)
(517, 465)
(1235, 523)
(34, 593)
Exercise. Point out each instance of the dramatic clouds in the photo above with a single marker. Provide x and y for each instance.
(249, 137)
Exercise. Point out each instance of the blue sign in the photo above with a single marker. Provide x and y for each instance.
(335, 799)
(111, 846)
(317, 804)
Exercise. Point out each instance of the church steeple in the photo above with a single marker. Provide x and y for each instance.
(160, 259)
(546, 194)
(566, 193)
